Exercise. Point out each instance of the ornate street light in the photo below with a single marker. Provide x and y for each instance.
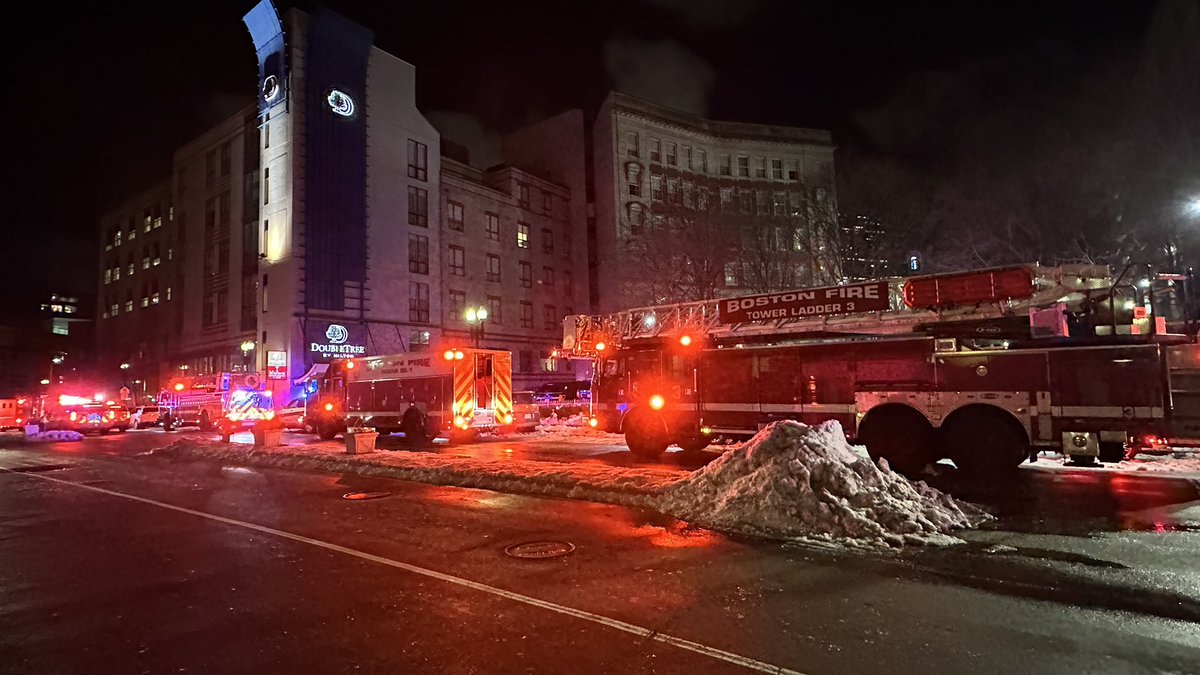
(475, 318)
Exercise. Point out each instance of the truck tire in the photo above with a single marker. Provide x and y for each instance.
(984, 441)
(327, 432)
(412, 423)
(206, 423)
(899, 434)
(168, 423)
(694, 443)
(646, 434)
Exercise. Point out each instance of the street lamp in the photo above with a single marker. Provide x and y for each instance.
(124, 370)
(475, 316)
(1193, 206)
(247, 346)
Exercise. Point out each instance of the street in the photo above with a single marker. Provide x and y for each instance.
(121, 562)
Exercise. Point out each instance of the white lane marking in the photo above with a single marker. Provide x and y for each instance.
(634, 629)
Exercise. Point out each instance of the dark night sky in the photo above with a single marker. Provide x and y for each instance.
(103, 94)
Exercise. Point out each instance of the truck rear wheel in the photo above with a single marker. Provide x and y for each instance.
(327, 432)
(984, 441)
(206, 423)
(899, 434)
(646, 434)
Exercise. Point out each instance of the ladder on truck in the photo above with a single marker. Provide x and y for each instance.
(913, 302)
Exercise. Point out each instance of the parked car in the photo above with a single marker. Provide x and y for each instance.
(525, 413)
(291, 416)
(145, 416)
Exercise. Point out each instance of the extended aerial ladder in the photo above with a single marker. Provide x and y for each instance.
(1037, 297)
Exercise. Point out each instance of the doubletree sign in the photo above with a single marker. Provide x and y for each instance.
(335, 341)
(871, 296)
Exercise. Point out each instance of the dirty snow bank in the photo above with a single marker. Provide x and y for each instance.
(592, 482)
(55, 436)
(792, 480)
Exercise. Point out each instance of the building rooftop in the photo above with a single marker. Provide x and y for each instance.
(625, 103)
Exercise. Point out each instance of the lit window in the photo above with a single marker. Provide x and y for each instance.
(168, 292)
(145, 301)
(129, 305)
(522, 235)
(108, 276)
(154, 298)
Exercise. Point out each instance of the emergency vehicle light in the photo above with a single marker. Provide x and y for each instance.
(593, 422)
(448, 355)
(328, 407)
(458, 355)
(349, 365)
(685, 340)
(508, 419)
(600, 346)
(67, 399)
(657, 402)
(178, 386)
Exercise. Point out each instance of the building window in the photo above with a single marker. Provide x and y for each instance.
(494, 309)
(145, 258)
(493, 227)
(115, 309)
(493, 267)
(655, 150)
(210, 168)
(656, 188)
(568, 283)
(107, 275)
(418, 160)
(779, 203)
(129, 302)
(547, 202)
(689, 195)
(700, 161)
(266, 186)
(226, 156)
(266, 294)
(458, 301)
(168, 292)
(743, 166)
(526, 314)
(760, 167)
(526, 274)
(457, 261)
(523, 195)
(776, 169)
(522, 235)
(418, 341)
(149, 224)
(117, 238)
(637, 218)
(547, 240)
(726, 167)
(267, 133)
(549, 317)
(631, 144)
(454, 215)
(418, 207)
(418, 254)
(671, 153)
(548, 276)
(418, 302)
(747, 201)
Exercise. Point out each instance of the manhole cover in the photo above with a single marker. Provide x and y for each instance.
(540, 549)
(365, 495)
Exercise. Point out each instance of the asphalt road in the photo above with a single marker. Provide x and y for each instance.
(115, 562)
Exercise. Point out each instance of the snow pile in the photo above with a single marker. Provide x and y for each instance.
(54, 436)
(1177, 462)
(796, 481)
(556, 422)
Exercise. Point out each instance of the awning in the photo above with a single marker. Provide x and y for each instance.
(317, 370)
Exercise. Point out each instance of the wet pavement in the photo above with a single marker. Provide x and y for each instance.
(144, 564)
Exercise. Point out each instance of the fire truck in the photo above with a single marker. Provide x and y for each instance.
(456, 393)
(981, 367)
(84, 414)
(203, 401)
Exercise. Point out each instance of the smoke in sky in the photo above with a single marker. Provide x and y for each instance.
(466, 130)
(661, 71)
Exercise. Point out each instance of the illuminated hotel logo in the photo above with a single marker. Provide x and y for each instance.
(340, 103)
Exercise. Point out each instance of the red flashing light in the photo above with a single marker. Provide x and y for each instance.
(178, 386)
(328, 407)
(349, 365)
(657, 402)
(448, 355)
(685, 340)
(600, 346)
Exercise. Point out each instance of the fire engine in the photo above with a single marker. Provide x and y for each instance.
(204, 400)
(456, 393)
(978, 366)
(13, 413)
(84, 414)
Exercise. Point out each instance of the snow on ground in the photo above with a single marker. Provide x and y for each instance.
(790, 481)
(1181, 461)
(56, 436)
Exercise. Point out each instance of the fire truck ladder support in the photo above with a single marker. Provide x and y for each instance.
(1053, 287)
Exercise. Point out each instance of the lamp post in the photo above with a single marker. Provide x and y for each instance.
(124, 373)
(475, 316)
(247, 346)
